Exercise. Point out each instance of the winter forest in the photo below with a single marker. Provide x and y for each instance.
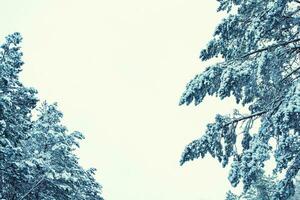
(90, 92)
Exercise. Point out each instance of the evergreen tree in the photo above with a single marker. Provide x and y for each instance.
(54, 169)
(36, 156)
(259, 44)
(16, 104)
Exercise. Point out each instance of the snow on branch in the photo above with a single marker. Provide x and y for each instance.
(270, 47)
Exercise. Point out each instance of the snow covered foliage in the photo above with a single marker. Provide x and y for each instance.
(36, 156)
(264, 189)
(231, 196)
(297, 189)
(259, 42)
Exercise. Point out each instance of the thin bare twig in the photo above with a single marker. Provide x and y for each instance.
(35, 186)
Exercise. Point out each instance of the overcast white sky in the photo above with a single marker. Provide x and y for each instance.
(117, 69)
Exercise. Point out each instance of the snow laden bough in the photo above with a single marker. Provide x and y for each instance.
(259, 42)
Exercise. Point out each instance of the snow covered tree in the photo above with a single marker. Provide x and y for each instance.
(16, 104)
(259, 42)
(54, 170)
(36, 156)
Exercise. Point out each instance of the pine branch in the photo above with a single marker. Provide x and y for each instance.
(258, 113)
(35, 186)
(270, 47)
(246, 117)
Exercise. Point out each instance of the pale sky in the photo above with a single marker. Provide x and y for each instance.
(117, 70)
